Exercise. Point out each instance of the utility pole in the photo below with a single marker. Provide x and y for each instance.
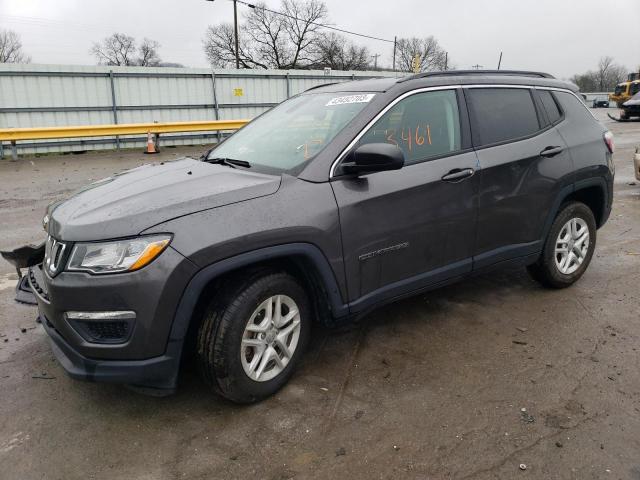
(235, 27)
(500, 61)
(235, 30)
(375, 61)
(395, 41)
(446, 61)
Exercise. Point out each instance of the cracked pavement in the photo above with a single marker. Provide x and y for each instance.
(432, 387)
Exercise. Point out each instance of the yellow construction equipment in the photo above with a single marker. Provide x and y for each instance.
(625, 90)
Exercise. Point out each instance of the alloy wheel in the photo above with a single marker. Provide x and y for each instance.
(572, 246)
(270, 338)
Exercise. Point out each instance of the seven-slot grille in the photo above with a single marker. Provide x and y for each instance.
(54, 256)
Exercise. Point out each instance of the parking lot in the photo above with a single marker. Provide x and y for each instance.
(494, 377)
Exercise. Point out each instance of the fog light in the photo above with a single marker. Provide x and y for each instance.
(102, 327)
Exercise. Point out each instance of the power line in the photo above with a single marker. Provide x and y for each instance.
(322, 25)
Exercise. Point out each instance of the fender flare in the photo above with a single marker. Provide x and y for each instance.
(201, 279)
(568, 190)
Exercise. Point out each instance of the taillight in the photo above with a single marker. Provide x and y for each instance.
(608, 140)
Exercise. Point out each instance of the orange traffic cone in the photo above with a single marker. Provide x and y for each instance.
(151, 144)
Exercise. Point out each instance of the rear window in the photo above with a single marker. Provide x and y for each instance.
(501, 114)
(550, 105)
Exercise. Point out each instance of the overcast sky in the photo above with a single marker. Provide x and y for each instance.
(561, 37)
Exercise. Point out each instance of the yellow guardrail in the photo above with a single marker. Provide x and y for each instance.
(17, 134)
(14, 135)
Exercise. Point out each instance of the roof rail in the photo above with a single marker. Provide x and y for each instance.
(321, 85)
(455, 73)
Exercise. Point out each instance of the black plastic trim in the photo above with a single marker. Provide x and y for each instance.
(201, 279)
(158, 373)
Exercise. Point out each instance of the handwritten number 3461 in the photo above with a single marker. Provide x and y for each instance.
(410, 136)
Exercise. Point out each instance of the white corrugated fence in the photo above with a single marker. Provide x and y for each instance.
(55, 95)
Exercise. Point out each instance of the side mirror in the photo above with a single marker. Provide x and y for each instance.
(373, 157)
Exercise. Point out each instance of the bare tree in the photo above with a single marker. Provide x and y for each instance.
(269, 40)
(148, 53)
(11, 48)
(336, 52)
(605, 66)
(120, 49)
(431, 55)
(117, 49)
(301, 25)
(219, 47)
(586, 82)
(604, 79)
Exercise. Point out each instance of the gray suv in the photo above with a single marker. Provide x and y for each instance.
(340, 199)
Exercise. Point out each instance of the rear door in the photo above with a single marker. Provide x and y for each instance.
(524, 164)
(404, 229)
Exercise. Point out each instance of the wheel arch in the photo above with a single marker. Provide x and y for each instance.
(593, 192)
(594, 196)
(305, 260)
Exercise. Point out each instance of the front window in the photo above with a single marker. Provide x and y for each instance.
(284, 139)
(423, 125)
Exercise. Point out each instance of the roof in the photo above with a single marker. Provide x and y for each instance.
(369, 85)
(449, 77)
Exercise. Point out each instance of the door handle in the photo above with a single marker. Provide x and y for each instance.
(551, 151)
(458, 174)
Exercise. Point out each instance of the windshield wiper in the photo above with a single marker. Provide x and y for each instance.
(230, 162)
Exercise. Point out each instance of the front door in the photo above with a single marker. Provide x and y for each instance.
(405, 229)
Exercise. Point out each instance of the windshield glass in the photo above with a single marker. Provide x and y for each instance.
(285, 138)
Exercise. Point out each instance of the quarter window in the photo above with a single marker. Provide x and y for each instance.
(550, 105)
(575, 109)
(501, 114)
(423, 125)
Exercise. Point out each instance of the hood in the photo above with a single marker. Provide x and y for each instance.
(130, 202)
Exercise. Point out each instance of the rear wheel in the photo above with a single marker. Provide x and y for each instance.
(253, 335)
(568, 248)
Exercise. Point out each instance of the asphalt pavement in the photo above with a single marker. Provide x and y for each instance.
(491, 378)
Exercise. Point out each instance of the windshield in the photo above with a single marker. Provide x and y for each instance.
(285, 138)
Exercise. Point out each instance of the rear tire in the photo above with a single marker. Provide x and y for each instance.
(243, 352)
(568, 248)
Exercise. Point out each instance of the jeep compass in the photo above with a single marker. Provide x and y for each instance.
(338, 200)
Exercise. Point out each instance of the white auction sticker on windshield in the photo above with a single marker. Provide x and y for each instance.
(362, 98)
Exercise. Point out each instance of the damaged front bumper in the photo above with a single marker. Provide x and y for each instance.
(24, 257)
(77, 311)
(156, 375)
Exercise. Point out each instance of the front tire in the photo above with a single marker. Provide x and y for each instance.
(253, 335)
(568, 248)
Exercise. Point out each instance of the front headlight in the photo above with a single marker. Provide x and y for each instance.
(117, 256)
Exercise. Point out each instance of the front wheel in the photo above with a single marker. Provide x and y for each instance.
(253, 336)
(568, 247)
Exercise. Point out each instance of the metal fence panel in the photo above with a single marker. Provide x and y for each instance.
(56, 95)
